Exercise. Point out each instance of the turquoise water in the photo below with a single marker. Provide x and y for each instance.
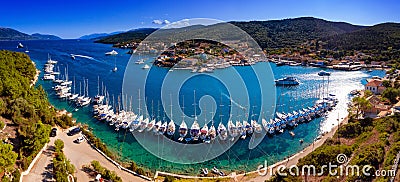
(239, 157)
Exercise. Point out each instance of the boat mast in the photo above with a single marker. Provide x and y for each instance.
(170, 97)
(87, 87)
(183, 108)
(74, 85)
(139, 108)
(98, 85)
(195, 105)
(220, 109)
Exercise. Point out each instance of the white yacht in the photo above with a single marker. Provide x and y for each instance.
(223, 134)
(163, 128)
(146, 66)
(288, 81)
(171, 128)
(151, 125)
(212, 133)
(195, 130)
(183, 130)
(232, 129)
(204, 132)
(113, 52)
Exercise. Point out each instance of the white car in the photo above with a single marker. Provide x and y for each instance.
(79, 140)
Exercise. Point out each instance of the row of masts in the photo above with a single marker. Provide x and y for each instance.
(140, 122)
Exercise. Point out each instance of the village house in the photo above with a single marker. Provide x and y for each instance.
(378, 109)
(375, 86)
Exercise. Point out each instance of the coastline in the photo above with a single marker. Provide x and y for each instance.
(293, 160)
(253, 175)
(35, 79)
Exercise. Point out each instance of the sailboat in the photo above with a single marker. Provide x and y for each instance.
(162, 128)
(98, 99)
(182, 130)
(156, 127)
(171, 128)
(248, 127)
(74, 95)
(195, 129)
(223, 134)
(171, 124)
(212, 133)
(241, 130)
(26, 49)
(151, 125)
(232, 129)
(20, 45)
(204, 129)
(183, 127)
(204, 132)
(143, 124)
(256, 127)
(265, 124)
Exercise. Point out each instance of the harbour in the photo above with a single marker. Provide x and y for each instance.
(239, 156)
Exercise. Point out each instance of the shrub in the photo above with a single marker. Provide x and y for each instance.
(169, 179)
(59, 145)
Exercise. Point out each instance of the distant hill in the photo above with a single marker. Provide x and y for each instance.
(98, 35)
(292, 32)
(45, 36)
(380, 37)
(268, 34)
(11, 34)
(136, 35)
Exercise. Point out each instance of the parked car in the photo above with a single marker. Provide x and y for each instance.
(53, 132)
(79, 140)
(74, 131)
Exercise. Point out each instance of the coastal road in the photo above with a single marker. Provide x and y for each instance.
(43, 168)
(79, 155)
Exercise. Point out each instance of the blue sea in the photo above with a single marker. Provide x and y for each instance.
(212, 99)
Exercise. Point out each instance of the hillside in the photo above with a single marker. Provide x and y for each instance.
(45, 36)
(269, 34)
(133, 35)
(11, 34)
(293, 32)
(26, 112)
(98, 35)
(380, 37)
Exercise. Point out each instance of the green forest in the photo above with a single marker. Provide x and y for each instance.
(305, 35)
(27, 112)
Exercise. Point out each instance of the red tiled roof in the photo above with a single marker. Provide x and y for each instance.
(374, 83)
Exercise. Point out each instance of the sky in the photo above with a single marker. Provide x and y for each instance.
(74, 18)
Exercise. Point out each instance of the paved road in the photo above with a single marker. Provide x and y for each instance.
(43, 168)
(79, 155)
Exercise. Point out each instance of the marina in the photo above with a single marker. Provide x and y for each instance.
(276, 147)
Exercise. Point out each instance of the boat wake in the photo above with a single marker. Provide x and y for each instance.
(233, 101)
(83, 56)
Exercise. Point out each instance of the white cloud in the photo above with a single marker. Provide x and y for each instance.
(158, 22)
(161, 22)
